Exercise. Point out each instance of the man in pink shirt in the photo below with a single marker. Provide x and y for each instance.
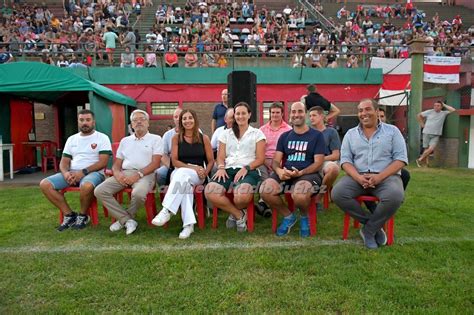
(272, 130)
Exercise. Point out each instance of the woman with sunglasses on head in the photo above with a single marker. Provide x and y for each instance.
(192, 158)
(241, 151)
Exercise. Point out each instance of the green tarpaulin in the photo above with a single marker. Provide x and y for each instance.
(45, 83)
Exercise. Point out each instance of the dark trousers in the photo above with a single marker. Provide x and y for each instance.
(390, 193)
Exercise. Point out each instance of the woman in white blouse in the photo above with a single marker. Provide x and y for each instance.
(241, 151)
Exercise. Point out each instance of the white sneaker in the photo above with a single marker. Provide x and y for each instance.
(230, 223)
(242, 222)
(161, 218)
(116, 226)
(131, 226)
(186, 232)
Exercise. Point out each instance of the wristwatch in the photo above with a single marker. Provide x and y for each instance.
(247, 168)
(140, 174)
(85, 171)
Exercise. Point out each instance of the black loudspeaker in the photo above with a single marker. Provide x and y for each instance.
(242, 87)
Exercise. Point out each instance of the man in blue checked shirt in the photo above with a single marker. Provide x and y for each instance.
(372, 155)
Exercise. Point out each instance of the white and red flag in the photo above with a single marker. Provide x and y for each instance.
(443, 70)
(396, 80)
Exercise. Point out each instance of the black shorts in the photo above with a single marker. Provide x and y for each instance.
(288, 185)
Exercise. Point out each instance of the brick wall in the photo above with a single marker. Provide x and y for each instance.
(45, 128)
(446, 153)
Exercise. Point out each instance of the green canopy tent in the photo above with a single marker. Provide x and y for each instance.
(52, 85)
(23, 82)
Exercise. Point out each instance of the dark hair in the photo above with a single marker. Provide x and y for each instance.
(85, 112)
(371, 100)
(235, 127)
(319, 109)
(311, 88)
(380, 109)
(196, 137)
(276, 105)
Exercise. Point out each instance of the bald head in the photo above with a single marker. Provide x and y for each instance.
(176, 114)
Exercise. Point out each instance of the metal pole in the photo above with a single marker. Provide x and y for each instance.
(416, 97)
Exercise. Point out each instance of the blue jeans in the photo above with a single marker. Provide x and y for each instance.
(58, 182)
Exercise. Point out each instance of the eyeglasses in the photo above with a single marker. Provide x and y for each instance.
(138, 119)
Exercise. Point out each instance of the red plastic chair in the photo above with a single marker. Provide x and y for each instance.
(312, 215)
(327, 198)
(199, 199)
(388, 227)
(92, 211)
(48, 152)
(250, 213)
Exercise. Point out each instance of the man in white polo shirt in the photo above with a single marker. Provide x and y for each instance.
(85, 156)
(138, 156)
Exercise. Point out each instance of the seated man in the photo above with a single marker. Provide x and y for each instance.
(162, 176)
(372, 155)
(138, 156)
(85, 156)
(332, 152)
(229, 120)
(302, 152)
(272, 130)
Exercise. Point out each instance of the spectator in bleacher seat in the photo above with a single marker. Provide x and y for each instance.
(127, 58)
(191, 59)
(297, 60)
(129, 39)
(209, 58)
(62, 62)
(241, 152)
(222, 61)
(193, 160)
(150, 58)
(109, 38)
(5, 56)
(296, 164)
(171, 58)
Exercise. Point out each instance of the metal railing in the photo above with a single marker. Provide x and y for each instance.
(311, 9)
(236, 55)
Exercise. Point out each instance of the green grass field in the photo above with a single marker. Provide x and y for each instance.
(429, 269)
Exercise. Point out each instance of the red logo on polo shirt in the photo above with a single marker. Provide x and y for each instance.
(93, 146)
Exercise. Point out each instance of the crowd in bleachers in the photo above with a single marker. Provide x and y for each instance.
(212, 30)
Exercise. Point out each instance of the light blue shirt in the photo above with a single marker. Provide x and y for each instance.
(375, 154)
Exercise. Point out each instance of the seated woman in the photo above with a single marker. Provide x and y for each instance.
(171, 58)
(190, 150)
(241, 151)
(191, 59)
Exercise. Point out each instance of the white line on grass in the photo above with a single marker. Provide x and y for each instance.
(216, 246)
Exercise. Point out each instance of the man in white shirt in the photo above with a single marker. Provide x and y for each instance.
(162, 172)
(229, 120)
(85, 155)
(138, 156)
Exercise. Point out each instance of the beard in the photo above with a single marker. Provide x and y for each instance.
(86, 129)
